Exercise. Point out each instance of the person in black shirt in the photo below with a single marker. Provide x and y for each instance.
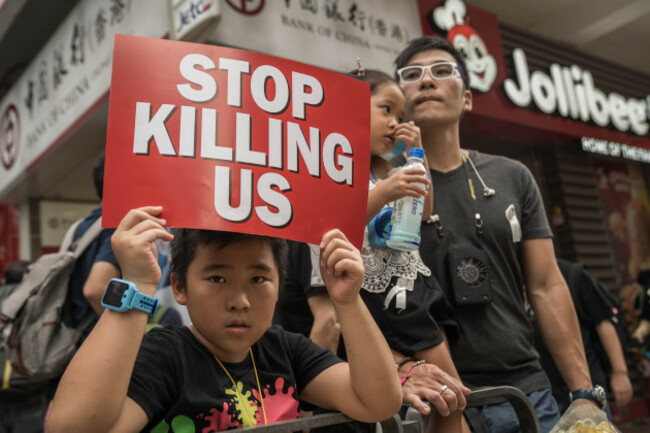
(603, 348)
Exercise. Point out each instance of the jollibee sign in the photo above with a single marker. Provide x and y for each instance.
(227, 139)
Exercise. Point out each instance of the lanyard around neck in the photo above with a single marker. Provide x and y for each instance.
(259, 388)
(478, 222)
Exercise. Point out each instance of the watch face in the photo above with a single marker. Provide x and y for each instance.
(114, 292)
(600, 394)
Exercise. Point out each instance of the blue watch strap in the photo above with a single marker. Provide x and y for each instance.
(144, 303)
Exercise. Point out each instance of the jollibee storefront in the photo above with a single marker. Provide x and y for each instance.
(581, 126)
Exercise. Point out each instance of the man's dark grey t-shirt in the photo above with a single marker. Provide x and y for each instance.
(496, 345)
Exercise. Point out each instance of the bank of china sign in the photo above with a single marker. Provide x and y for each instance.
(569, 91)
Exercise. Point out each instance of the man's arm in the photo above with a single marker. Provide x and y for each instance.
(326, 329)
(555, 313)
(620, 381)
(100, 274)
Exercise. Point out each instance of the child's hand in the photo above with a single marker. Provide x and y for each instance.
(409, 134)
(402, 183)
(134, 244)
(341, 267)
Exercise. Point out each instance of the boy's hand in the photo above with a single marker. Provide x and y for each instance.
(341, 267)
(134, 244)
(402, 183)
(409, 134)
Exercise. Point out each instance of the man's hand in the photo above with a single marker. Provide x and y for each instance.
(134, 244)
(341, 267)
(425, 382)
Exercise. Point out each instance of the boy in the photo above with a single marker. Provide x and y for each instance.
(228, 369)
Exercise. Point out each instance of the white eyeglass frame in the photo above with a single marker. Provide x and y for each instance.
(455, 73)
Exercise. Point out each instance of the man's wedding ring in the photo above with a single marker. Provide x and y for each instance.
(443, 389)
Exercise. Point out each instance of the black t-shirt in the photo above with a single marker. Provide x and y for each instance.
(292, 310)
(496, 342)
(178, 382)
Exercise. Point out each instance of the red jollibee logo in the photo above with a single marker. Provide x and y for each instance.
(9, 136)
(246, 7)
(453, 20)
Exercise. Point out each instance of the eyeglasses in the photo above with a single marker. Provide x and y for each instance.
(438, 71)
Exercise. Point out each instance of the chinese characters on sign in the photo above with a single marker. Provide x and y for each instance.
(51, 73)
(327, 33)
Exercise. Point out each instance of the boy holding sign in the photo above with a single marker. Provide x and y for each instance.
(229, 368)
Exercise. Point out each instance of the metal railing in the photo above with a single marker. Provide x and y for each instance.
(415, 422)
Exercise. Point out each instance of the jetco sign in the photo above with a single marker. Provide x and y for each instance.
(193, 20)
(569, 91)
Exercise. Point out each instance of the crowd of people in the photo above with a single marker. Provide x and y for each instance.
(360, 332)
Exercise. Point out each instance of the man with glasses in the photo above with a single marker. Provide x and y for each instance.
(487, 240)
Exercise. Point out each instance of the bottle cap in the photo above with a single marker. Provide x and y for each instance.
(416, 152)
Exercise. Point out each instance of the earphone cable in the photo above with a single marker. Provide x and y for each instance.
(487, 191)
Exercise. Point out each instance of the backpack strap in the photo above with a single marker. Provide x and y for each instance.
(87, 238)
(69, 235)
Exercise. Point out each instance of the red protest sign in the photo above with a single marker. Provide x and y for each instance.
(233, 140)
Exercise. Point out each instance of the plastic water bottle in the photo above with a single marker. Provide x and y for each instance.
(407, 212)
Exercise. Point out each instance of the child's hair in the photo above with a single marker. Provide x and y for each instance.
(373, 77)
(186, 241)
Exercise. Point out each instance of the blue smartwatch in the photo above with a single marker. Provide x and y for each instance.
(596, 394)
(122, 295)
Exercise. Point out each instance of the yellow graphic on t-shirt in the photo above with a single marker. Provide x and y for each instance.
(245, 406)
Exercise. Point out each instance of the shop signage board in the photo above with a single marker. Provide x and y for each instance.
(330, 34)
(569, 91)
(233, 140)
(66, 79)
(193, 20)
(56, 217)
(562, 99)
(617, 150)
